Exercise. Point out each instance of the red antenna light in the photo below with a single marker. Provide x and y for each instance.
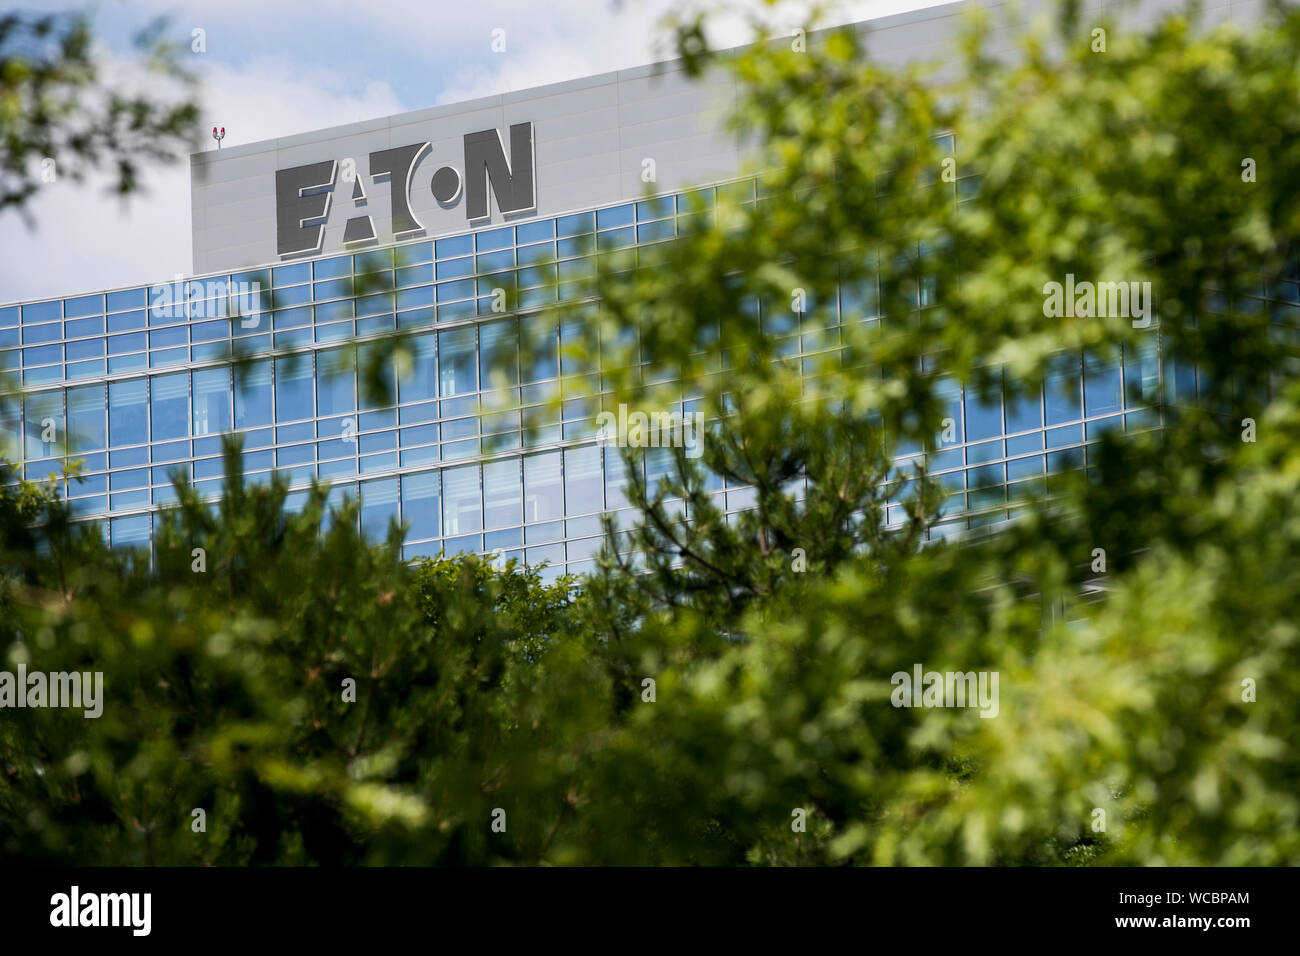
(218, 136)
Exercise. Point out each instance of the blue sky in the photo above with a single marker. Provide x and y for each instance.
(277, 67)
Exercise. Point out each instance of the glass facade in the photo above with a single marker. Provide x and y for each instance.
(143, 388)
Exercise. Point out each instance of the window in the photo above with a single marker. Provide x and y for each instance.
(44, 412)
(582, 480)
(336, 392)
(501, 495)
(86, 425)
(293, 388)
(1061, 390)
(127, 415)
(541, 348)
(253, 395)
(420, 384)
(456, 362)
(1101, 390)
(983, 419)
(461, 513)
(169, 406)
(211, 401)
(543, 487)
(420, 505)
(378, 506)
(499, 354)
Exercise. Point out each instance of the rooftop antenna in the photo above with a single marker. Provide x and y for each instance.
(218, 136)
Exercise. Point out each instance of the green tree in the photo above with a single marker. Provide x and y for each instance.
(58, 118)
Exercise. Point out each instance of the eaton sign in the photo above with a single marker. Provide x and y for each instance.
(303, 193)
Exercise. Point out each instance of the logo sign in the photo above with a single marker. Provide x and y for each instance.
(303, 193)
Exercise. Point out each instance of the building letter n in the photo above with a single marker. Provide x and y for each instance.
(511, 180)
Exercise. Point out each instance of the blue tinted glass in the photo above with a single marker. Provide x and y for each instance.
(495, 239)
(455, 268)
(126, 322)
(1061, 390)
(501, 494)
(495, 260)
(461, 512)
(411, 298)
(616, 239)
(253, 395)
(212, 412)
(341, 309)
(8, 317)
(543, 487)
(1024, 411)
(655, 208)
(126, 299)
(461, 289)
(1101, 388)
(335, 389)
(295, 295)
(535, 231)
(575, 225)
(540, 344)
(127, 413)
(378, 260)
(44, 417)
(983, 418)
(42, 311)
(167, 338)
(81, 327)
(43, 355)
(90, 348)
(293, 388)
(413, 253)
(421, 383)
(35, 334)
(455, 246)
(132, 532)
(617, 216)
(332, 289)
(87, 429)
(378, 507)
(374, 304)
(169, 406)
(456, 369)
(420, 505)
(332, 268)
(414, 275)
(290, 275)
(83, 305)
(133, 342)
(583, 482)
(498, 353)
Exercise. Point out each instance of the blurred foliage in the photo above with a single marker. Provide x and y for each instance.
(60, 102)
(480, 688)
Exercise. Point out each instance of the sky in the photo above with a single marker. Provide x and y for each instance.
(277, 68)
